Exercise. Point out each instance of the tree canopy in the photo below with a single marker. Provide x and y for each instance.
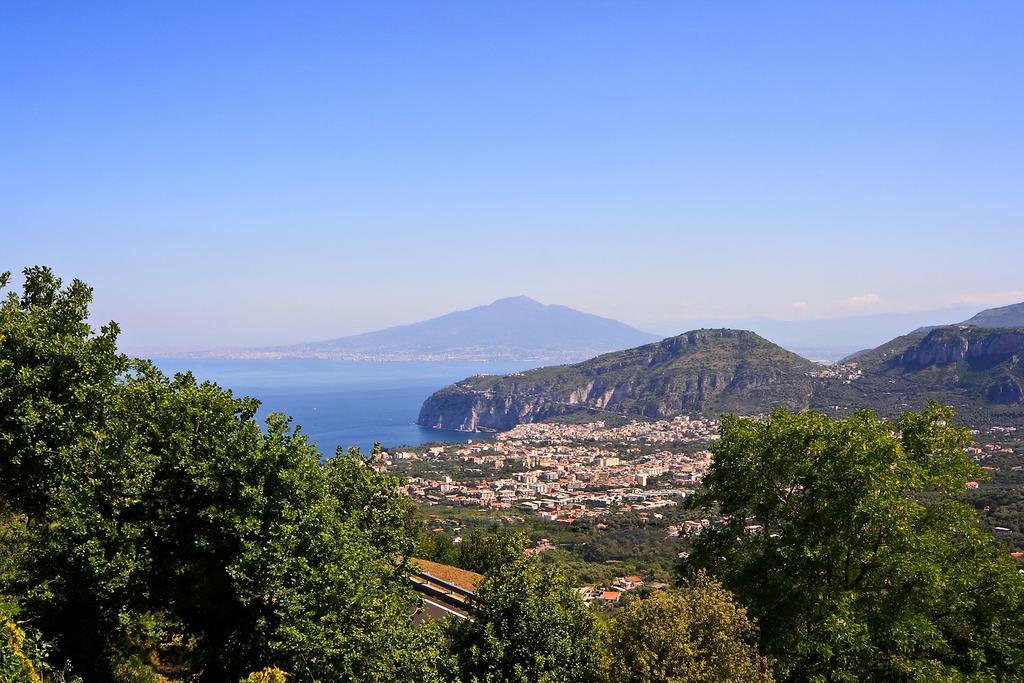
(151, 529)
(697, 634)
(849, 541)
(161, 530)
(478, 550)
(529, 624)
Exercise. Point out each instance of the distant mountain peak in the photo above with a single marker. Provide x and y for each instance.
(520, 300)
(515, 328)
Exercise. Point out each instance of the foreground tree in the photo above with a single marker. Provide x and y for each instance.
(697, 634)
(478, 550)
(850, 544)
(482, 552)
(157, 530)
(529, 625)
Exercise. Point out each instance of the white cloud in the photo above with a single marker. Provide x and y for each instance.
(801, 306)
(863, 300)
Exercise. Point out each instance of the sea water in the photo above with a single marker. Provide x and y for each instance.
(343, 403)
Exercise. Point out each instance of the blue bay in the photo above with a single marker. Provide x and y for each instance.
(343, 403)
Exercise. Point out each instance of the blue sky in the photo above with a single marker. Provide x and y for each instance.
(235, 173)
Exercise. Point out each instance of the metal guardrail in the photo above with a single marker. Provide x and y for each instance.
(455, 588)
(458, 599)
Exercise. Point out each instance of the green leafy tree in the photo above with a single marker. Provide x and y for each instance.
(478, 550)
(850, 544)
(697, 634)
(529, 625)
(157, 531)
(482, 552)
(438, 547)
(55, 376)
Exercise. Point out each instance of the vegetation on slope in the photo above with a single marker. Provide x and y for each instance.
(151, 530)
(865, 563)
(710, 372)
(158, 531)
(704, 371)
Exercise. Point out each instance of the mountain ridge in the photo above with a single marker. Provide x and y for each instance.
(979, 371)
(1001, 316)
(693, 371)
(514, 328)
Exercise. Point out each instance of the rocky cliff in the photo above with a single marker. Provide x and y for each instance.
(699, 372)
(978, 348)
(976, 370)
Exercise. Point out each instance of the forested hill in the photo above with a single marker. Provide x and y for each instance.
(703, 371)
(710, 372)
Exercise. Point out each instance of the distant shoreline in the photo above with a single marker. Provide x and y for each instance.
(374, 358)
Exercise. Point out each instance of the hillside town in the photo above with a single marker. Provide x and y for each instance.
(564, 472)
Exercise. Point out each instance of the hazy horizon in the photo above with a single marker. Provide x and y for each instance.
(832, 337)
(249, 175)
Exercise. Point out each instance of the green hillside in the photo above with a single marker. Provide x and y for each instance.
(703, 371)
(710, 372)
